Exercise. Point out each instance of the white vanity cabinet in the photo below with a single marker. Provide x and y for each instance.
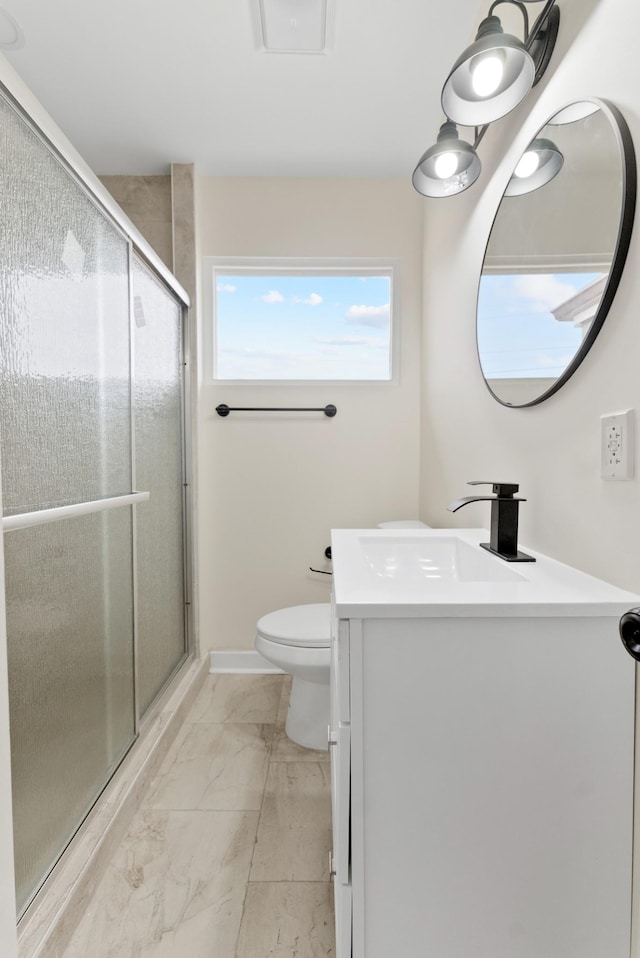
(340, 748)
(482, 771)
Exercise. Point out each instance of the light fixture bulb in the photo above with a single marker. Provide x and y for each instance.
(527, 165)
(445, 165)
(540, 162)
(450, 166)
(487, 73)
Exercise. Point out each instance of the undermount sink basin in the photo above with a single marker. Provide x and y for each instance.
(446, 558)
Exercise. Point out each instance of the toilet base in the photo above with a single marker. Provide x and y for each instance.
(308, 714)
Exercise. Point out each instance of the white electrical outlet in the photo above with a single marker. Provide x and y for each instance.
(616, 443)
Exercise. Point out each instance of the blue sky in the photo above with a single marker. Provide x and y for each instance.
(517, 334)
(300, 326)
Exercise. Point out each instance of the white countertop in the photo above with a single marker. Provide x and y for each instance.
(392, 573)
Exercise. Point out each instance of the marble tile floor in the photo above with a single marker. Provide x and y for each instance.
(228, 854)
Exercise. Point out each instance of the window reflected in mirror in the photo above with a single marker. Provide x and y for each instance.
(555, 253)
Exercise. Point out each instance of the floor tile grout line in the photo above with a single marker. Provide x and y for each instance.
(255, 841)
(244, 896)
(264, 789)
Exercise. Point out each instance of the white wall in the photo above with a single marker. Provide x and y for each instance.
(271, 488)
(552, 450)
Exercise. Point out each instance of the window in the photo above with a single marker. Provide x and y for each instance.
(275, 321)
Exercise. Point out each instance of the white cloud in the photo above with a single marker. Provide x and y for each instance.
(226, 288)
(544, 291)
(368, 315)
(273, 296)
(314, 299)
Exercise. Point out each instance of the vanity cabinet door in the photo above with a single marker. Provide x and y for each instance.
(339, 733)
(341, 803)
(492, 788)
(340, 858)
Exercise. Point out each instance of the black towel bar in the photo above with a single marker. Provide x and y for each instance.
(224, 410)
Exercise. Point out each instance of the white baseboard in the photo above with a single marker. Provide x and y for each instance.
(250, 662)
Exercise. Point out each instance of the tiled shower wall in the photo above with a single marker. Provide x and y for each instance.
(147, 202)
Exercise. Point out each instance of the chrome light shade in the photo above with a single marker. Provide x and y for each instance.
(540, 162)
(448, 167)
(465, 99)
(497, 71)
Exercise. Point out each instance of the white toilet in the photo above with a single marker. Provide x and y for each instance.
(297, 640)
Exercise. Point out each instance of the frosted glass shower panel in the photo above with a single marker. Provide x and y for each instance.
(69, 623)
(64, 338)
(157, 405)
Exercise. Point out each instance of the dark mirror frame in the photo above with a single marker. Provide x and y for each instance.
(619, 256)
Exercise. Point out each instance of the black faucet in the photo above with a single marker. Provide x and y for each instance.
(504, 519)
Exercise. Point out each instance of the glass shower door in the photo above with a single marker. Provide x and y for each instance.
(66, 435)
(157, 417)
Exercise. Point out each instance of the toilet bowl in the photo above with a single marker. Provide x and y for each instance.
(297, 640)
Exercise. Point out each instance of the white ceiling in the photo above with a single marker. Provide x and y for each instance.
(138, 84)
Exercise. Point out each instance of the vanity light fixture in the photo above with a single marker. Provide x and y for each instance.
(488, 80)
(448, 167)
(541, 161)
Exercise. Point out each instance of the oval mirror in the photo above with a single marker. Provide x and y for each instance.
(556, 253)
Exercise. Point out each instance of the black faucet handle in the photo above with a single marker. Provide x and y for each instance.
(504, 490)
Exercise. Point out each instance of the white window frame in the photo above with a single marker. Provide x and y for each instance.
(307, 266)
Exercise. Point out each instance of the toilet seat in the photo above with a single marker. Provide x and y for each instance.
(304, 626)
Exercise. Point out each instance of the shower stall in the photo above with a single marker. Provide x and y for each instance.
(92, 446)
